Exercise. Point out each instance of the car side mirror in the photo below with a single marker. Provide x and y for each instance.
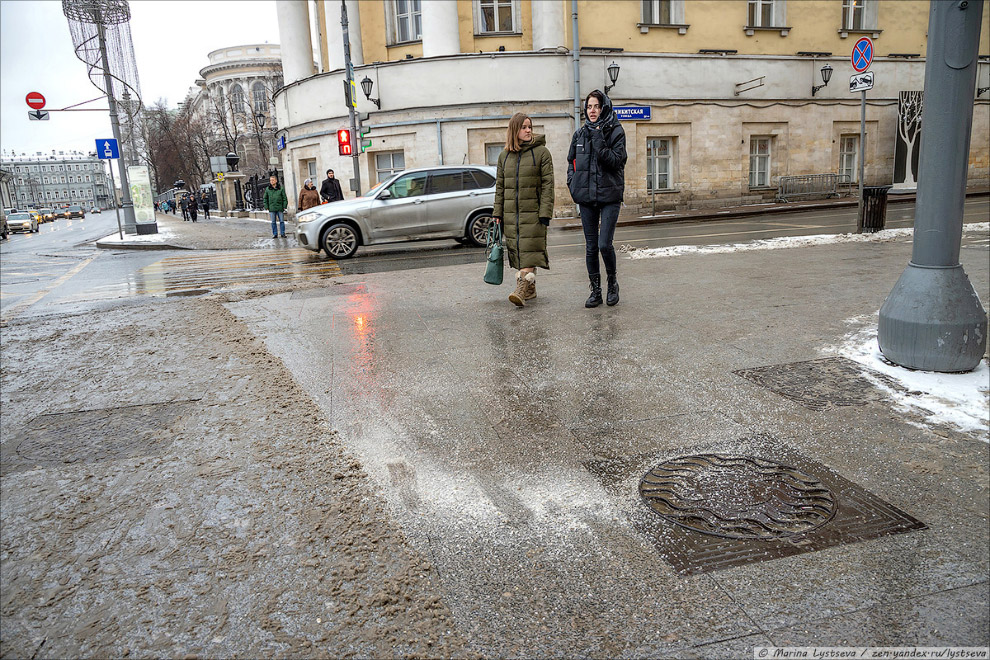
(385, 194)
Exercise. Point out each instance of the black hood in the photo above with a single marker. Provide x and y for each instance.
(607, 116)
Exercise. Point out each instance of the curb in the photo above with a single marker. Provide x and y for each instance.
(139, 246)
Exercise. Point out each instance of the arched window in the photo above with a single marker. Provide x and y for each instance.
(237, 99)
(259, 96)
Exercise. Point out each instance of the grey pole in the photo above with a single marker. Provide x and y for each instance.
(933, 319)
(576, 58)
(130, 225)
(862, 160)
(349, 69)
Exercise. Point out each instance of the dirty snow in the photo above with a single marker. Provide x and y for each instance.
(959, 400)
(782, 243)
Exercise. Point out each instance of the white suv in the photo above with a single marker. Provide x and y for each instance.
(422, 204)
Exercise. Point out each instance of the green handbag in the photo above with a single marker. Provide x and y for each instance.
(495, 266)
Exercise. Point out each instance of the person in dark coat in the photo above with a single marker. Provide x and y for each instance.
(596, 164)
(206, 206)
(192, 207)
(330, 189)
(184, 204)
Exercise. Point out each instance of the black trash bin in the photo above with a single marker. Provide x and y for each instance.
(874, 208)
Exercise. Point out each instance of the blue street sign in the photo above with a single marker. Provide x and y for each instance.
(632, 112)
(107, 149)
(280, 143)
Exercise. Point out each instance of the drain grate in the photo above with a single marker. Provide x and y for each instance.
(717, 507)
(88, 436)
(818, 384)
(737, 497)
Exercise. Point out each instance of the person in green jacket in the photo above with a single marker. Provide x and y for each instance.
(524, 203)
(276, 202)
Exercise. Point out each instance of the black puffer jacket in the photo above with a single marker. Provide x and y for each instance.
(596, 161)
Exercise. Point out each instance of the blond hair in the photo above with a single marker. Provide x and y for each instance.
(512, 134)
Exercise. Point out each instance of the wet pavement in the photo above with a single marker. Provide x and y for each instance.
(496, 455)
(510, 444)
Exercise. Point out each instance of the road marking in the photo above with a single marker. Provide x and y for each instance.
(19, 308)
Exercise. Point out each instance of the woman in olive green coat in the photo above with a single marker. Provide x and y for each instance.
(524, 203)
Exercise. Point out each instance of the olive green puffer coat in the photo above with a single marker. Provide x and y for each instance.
(524, 197)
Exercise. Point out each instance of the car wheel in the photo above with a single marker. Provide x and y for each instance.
(477, 230)
(340, 241)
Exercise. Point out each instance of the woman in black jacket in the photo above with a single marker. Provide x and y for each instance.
(596, 165)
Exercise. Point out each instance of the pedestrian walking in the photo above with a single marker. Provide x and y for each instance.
(184, 204)
(206, 206)
(193, 207)
(596, 164)
(524, 203)
(275, 203)
(330, 189)
(308, 196)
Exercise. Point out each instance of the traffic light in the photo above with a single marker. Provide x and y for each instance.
(365, 142)
(344, 142)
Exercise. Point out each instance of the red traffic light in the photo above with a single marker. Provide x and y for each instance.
(344, 142)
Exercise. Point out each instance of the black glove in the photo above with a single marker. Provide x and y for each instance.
(545, 222)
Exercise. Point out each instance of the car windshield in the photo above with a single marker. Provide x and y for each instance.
(45, 211)
(19, 216)
(75, 208)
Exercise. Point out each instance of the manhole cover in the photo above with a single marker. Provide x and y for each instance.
(737, 497)
(746, 500)
(818, 384)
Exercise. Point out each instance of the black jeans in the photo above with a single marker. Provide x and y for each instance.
(598, 222)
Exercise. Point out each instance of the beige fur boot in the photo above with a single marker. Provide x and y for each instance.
(518, 297)
(530, 280)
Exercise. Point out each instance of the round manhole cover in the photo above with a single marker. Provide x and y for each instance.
(737, 497)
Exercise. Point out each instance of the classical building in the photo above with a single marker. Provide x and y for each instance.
(57, 179)
(721, 97)
(235, 95)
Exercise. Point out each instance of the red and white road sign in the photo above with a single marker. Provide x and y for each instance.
(862, 55)
(35, 101)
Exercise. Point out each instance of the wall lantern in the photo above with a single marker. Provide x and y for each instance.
(613, 75)
(232, 160)
(826, 76)
(366, 86)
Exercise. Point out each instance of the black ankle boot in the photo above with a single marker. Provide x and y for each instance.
(595, 299)
(613, 291)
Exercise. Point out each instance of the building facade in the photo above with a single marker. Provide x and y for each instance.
(60, 179)
(234, 97)
(724, 96)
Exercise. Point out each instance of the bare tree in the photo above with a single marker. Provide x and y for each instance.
(909, 129)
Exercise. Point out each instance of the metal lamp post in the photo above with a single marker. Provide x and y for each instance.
(933, 319)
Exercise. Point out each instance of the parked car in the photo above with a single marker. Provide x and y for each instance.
(75, 211)
(421, 204)
(47, 215)
(23, 221)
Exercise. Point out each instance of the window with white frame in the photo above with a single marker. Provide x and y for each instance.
(259, 97)
(762, 13)
(311, 169)
(492, 151)
(848, 157)
(497, 16)
(657, 12)
(659, 163)
(859, 14)
(759, 162)
(237, 99)
(406, 21)
(388, 163)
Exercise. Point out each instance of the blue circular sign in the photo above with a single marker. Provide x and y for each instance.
(862, 55)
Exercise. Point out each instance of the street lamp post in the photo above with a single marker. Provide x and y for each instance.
(826, 76)
(613, 75)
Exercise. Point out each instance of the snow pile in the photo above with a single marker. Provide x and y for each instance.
(960, 400)
(164, 235)
(782, 242)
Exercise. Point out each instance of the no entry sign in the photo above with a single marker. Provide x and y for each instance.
(35, 101)
(862, 55)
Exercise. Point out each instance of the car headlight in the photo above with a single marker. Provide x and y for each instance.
(307, 216)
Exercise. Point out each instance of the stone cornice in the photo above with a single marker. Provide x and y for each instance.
(268, 64)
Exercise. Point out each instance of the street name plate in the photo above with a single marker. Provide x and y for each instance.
(861, 82)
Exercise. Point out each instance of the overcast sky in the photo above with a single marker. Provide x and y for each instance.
(171, 43)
